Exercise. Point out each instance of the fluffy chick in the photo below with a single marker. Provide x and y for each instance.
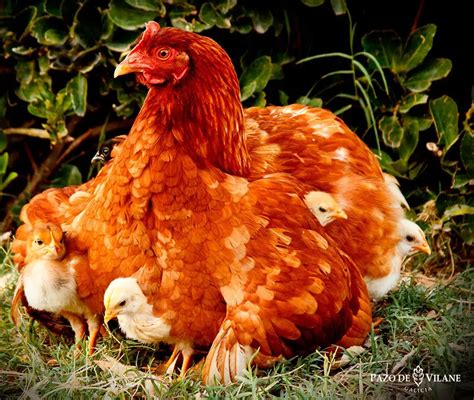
(124, 300)
(324, 207)
(48, 281)
(412, 241)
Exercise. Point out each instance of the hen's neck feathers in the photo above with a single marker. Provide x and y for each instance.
(203, 113)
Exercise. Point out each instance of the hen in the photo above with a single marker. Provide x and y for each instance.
(57, 282)
(227, 262)
(171, 201)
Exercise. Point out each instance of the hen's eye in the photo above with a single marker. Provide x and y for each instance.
(39, 242)
(122, 303)
(164, 53)
(410, 238)
(322, 209)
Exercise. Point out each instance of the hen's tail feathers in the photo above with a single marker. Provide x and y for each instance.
(394, 189)
(227, 358)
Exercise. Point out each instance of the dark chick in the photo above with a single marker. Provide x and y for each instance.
(105, 150)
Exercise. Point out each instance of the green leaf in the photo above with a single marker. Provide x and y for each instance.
(128, 17)
(260, 100)
(87, 26)
(181, 23)
(67, 175)
(149, 5)
(78, 88)
(283, 98)
(392, 131)
(3, 163)
(421, 78)
(242, 25)
(467, 230)
(207, 14)
(467, 153)
(11, 176)
(262, 20)
(53, 7)
(313, 3)
(121, 40)
(255, 78)
(310, 101)
(3, 141)
(411, 133)
(24, 21)
(38, 109)
(339, 6)
(412, 100)
(248, 90)
(456, 211)
(385, 46)
(50, 30)
(224, 6)
(418, 46)
(445, 115)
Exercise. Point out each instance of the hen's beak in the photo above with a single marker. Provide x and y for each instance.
(109, 315)
(124, 68)
(423, 247)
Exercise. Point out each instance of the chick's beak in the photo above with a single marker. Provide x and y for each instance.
(109, 315)
(340, 214)
(423, 247)
(97, 158)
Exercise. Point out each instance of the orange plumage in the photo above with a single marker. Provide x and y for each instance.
(206, 203)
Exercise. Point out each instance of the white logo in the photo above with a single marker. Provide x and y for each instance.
(418, 375)
(418, 381)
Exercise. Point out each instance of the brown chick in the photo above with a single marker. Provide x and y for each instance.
(49, 281)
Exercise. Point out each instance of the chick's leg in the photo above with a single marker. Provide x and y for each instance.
(169, 365)
(77, 325)
(187, 354)
(94, 325)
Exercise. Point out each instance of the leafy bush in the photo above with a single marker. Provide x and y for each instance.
(57, 96)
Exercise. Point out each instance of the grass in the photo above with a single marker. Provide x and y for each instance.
(427, 326)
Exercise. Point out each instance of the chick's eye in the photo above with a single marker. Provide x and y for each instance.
(410, 238)
(164, 53)
(122, 303)
(39, 242)
(322, 209)
(105, 150)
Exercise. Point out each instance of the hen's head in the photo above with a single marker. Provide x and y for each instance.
(324, 207)
(46, 242)
(194, 89)
(165, 56)
(412, 239)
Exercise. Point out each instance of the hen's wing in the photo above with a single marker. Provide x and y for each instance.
(302, 292)
(316, 147)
